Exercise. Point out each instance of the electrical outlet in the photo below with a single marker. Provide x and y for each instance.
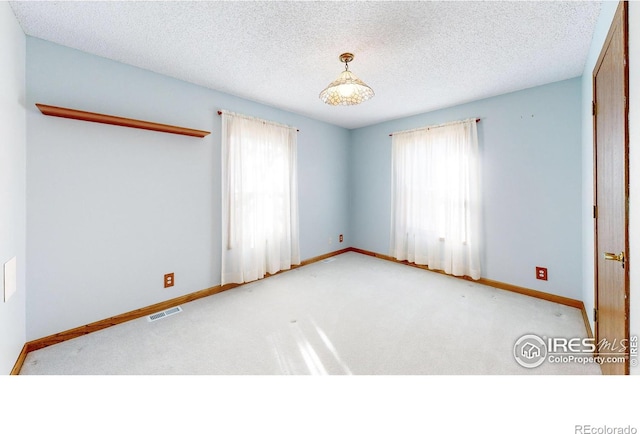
(541, 273)
(330, 241)
(341, 238)
(168, 280)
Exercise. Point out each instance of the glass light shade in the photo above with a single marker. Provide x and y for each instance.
(346, 90)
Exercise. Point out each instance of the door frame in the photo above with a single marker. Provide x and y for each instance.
(621, 16)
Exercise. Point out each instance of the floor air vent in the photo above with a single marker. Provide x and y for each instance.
(328, 260)
(164, 314)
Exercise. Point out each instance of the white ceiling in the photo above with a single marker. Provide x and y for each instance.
(417, 56)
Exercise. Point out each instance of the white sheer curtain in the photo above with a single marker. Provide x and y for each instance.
(259, 198)
(436, 198)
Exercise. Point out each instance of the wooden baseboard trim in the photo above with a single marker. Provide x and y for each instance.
(532, 293)
(321, 257)
(18, 366)
(585, 318)
(138, 313)
(493, 283)
(119, 319)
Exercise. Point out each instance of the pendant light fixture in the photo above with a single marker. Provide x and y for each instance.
(347, 89)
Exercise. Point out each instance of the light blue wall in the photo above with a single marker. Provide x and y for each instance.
(531, 183)
(13, 147)
(112, 209)
(607, 11)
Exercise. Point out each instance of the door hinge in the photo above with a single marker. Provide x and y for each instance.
(595, 212)
(593, 108)
(595, 315)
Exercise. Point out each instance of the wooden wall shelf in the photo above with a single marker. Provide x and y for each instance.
(50, 110)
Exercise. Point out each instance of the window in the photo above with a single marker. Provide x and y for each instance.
(436, 198)
(259, 198)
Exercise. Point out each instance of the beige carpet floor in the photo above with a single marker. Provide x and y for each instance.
(351, 314)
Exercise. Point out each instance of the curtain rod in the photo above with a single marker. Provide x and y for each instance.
(435, 126)
(220, 114)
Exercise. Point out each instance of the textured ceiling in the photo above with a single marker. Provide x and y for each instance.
(417, 56)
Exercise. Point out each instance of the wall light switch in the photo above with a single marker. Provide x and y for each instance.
(10, 278)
